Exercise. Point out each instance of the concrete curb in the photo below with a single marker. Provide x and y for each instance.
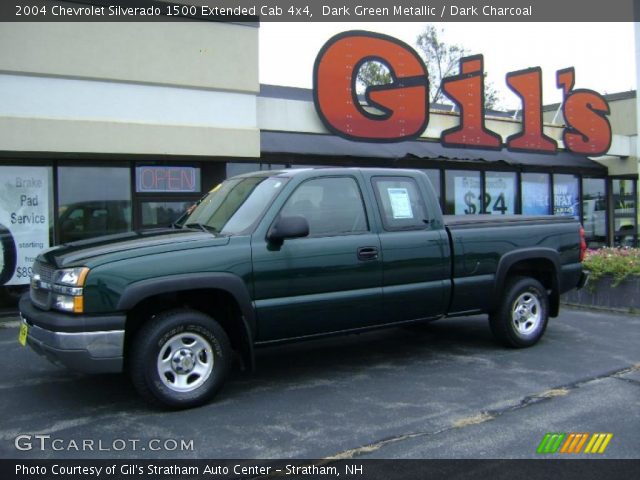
(596, 308)
(601, 294)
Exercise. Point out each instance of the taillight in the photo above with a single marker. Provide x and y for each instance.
(583, 244)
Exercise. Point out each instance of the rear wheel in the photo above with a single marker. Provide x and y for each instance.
(180, 358)
(522, 315)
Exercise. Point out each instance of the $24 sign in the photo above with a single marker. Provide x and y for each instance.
(497, 204)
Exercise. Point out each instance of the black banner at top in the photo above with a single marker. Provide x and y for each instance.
(320, 10)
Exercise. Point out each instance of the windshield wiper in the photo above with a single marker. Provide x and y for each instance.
(202, 226)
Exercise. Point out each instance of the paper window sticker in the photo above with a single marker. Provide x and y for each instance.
(400, 203)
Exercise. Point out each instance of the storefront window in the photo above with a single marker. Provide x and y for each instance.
(536, 194)
(463, 192)
(625, 232)
(162, 214)
(594, 211)
(25, 220)
(295, 166)
(93, 201)
(500, 193)
(234, 168)
(565, 195)
(434, 177)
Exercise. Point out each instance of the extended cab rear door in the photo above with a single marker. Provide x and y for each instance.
(415, 247)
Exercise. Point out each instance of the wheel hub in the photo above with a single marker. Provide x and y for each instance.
(183, 361)
(526, 313)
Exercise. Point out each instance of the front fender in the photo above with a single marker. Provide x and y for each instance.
(228, 282)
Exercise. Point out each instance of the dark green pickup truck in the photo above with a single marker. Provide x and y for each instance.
(285, 255)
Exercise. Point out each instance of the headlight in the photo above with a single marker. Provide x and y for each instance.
(67, 289)
(72, 277)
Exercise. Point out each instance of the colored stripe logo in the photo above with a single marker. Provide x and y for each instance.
(598, 443)
(573, 443)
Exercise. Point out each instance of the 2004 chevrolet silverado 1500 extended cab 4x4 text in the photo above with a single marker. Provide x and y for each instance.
(284, 255)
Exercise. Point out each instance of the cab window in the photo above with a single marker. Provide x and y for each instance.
(400, 203)
(331, 205)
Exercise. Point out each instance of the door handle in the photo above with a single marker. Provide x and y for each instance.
(367, 253)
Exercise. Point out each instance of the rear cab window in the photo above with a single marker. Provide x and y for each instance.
(400, 203)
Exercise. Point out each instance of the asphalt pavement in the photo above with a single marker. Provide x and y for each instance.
(443, 391)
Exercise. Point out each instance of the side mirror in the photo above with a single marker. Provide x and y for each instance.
(295, 226)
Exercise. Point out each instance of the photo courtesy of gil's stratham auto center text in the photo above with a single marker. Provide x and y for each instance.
(319, 240)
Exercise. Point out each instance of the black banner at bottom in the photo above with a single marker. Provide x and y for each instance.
(325, 469)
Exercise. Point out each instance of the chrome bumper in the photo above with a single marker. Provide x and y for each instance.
(89, 352)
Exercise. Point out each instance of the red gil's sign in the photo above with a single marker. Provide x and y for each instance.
(403, 104)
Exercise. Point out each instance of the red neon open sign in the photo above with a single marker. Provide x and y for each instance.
(167, 179)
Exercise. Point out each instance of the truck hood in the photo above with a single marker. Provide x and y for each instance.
(95, 251)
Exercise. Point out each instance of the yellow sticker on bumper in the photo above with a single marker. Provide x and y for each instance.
(22, 336)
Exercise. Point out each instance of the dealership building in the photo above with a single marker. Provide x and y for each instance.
(111, 127)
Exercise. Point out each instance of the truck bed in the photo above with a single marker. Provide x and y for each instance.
(471, 221)
(479, 243)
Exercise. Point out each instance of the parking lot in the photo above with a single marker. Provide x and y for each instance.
(443, 391)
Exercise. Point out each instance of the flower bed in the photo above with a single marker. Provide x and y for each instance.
(614, 281)
(619, 263)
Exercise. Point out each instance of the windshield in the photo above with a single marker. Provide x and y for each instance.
(234, 205)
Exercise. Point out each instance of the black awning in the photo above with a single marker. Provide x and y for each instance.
(334, 146)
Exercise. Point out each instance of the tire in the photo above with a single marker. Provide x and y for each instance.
(8, 255)
(522, 315)
(180, 359)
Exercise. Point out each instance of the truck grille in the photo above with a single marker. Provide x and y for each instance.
(44, 270)
(41, 295)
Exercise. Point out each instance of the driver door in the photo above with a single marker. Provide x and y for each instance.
(330, 280)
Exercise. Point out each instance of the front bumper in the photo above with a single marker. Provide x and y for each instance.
(97, 348)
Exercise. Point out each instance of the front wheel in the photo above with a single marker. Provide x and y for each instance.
(522, 315)
(180, 359)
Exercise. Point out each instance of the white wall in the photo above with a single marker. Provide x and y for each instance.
(182, 88)
(637, 31)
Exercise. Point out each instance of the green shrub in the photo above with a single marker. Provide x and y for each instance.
(617, 262)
